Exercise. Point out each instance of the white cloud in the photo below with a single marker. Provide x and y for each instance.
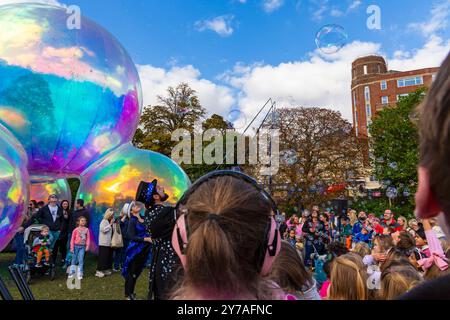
(438, 19)
(355, 4)
(431, 55)
(316, 82)
(320, 8)
(321, 81)
(221, 25)
(272, 5)
(50, 2)
(155, 81)
(336, 13)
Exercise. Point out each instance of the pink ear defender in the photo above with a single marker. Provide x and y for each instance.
(179, 239)
(273, 239)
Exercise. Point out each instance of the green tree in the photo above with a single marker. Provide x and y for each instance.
(179, 109)
(394, 147)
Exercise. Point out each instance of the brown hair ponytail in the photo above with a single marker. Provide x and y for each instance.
(210, 251)
(227, 225)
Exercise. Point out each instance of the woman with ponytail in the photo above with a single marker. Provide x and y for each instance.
(227, 240)
(348, 278)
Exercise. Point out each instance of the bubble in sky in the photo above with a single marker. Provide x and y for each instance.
(289, 156)
(393, 165)
(331, 38)
(237, 118)
(391, 192)
(406, 192)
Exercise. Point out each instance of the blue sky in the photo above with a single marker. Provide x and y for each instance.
(161, 33)
(238, 53)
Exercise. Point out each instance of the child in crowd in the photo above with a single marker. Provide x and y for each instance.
(421, 244)
(348, 278)
(436, 263)
(299, 244)
(227, 216)
(41, 246)
(363, 236)
(79, 244)
(345, 232)
(362, 249)
(381, 246)
(291, 238)
(290, 274)
(325, 286)
(397, 278)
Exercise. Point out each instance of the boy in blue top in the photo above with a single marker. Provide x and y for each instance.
(364, 236)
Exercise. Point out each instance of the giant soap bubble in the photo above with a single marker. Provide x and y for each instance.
(69, 96)
(331, 38)
(113, 180)
(43, 186)
(14, 182)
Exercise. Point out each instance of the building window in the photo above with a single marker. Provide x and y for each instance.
(379, 68)
(385, 100)
(365, 69)
(433, 77)
(383, 85)
(407, 82)
(402, 96)
(367, 93)
(368, 110)
(354, 98)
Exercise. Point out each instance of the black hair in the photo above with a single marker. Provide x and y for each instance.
(336, 249)
(80, 202)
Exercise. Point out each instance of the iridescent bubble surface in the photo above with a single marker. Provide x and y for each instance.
(14, 184)
(43, 186)
(69, 96)
(331, 38)
(113, 180)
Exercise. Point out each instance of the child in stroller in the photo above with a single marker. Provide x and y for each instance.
(38, 243)
(41, 246)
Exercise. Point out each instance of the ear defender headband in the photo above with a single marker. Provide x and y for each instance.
(272, 239)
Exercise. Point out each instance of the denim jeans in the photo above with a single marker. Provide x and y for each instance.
(20, 249)
(78, 258)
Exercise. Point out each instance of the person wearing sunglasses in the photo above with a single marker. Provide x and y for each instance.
(227, 240)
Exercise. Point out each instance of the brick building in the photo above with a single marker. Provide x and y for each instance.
(375, 87)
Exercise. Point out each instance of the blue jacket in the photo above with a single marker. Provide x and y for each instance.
(357, 227)
(360, 237)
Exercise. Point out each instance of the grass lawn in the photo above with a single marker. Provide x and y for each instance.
(92, 288)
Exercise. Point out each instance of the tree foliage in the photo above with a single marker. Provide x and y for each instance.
(394, 144)
(180, 108)
(318, 149)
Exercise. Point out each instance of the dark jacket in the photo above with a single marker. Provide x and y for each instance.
(74, 217)
(44, 216)
(65, 225)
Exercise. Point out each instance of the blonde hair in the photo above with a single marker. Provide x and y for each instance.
(362, 249)
(353, 217)
(405, 222)
(348, 278)
(108, 214)
(397, 279)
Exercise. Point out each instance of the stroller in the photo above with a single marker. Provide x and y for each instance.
(30, 268)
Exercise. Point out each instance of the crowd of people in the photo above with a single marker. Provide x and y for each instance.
(225, 238)
(387, 256)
